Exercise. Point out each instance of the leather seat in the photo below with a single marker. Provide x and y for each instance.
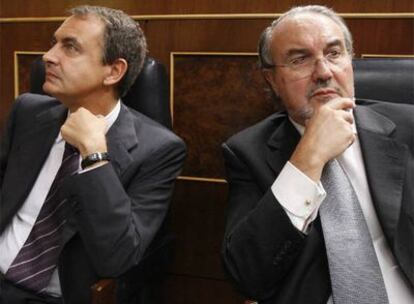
(387, 79)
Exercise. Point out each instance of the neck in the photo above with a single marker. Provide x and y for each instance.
(97, 104)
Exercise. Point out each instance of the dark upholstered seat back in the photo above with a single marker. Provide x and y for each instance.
(148, 94)
(386, 79)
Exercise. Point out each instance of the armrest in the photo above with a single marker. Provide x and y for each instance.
(103, 292)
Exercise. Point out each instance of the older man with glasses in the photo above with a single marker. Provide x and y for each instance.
(309, 219)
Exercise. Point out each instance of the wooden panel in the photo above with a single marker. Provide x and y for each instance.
(382, 36)
(26, 37)
(197, 219)
(214, 97)
(164, 36)
(199, 290)
(33, 8)
(23, 64)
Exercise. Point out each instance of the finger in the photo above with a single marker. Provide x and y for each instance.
(341, 103)
(347, 116)
(352, 139)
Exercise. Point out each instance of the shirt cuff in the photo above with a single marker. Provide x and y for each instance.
(299, 196)
(92, 167)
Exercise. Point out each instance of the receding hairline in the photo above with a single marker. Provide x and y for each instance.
(306, 15)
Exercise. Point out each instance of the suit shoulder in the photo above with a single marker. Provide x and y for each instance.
(31, 104)
(27, 106)
(36, 100)
(153, 132)
(394, 111)
(259, 132)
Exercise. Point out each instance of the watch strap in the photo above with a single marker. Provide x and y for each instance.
(94, 158)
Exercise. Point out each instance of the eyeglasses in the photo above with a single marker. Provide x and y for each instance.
(302, 65)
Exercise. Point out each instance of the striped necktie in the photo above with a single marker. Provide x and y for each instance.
(37, 259)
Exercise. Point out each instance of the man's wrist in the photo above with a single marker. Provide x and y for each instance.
(92, 145)
(94, 158)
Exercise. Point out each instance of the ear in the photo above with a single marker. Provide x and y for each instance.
(269, 75)
(116, 71)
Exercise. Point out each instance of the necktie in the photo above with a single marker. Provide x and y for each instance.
(37, 259)
(354, 269)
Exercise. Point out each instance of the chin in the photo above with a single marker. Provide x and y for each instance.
(306, 113)
(51, 90)
(47, 88)
(302, 115)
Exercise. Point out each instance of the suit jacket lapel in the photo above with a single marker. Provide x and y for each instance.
(31, 151)
(384, 161)
(121, 139)
(281, 145)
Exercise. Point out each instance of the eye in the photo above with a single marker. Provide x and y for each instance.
(334, 53)
(297, 60)
(70, 47)
(52, 42)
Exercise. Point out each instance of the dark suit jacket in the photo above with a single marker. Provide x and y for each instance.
(267, 257)
(118, 207)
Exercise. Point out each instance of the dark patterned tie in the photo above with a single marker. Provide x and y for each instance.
(353, 265)
(37, 259)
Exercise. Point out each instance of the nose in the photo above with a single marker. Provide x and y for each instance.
(50, 57)
(322, 69)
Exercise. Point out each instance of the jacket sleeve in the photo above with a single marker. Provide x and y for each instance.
(6, 141)
(117, 220)
(260, 245)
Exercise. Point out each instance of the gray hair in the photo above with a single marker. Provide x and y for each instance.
(265, 56)
(123, 38)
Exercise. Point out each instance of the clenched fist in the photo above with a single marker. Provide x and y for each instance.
(328, 133)
(85, 131)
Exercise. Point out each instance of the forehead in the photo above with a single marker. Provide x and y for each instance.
(305, 31)
(85, 29)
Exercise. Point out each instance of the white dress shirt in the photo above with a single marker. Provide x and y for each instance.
(302, 208)
(15, 235)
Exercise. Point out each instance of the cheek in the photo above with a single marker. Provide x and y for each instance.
(346, 81)
(294, 90)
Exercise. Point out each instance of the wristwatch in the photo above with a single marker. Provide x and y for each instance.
(94, 158)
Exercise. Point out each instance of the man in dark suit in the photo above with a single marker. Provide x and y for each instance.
(123, 166)
(275, 247)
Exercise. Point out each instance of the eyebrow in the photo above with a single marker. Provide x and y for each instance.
(293, 52)
(305, 51)
(335, 43)
(68, 39)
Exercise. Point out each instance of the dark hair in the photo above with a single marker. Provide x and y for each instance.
(123, 38)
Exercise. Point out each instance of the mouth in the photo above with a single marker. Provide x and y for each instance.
(325, 94)
(50, 75)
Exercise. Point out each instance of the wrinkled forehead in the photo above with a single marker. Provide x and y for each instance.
(83, 28)
(305, 31)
